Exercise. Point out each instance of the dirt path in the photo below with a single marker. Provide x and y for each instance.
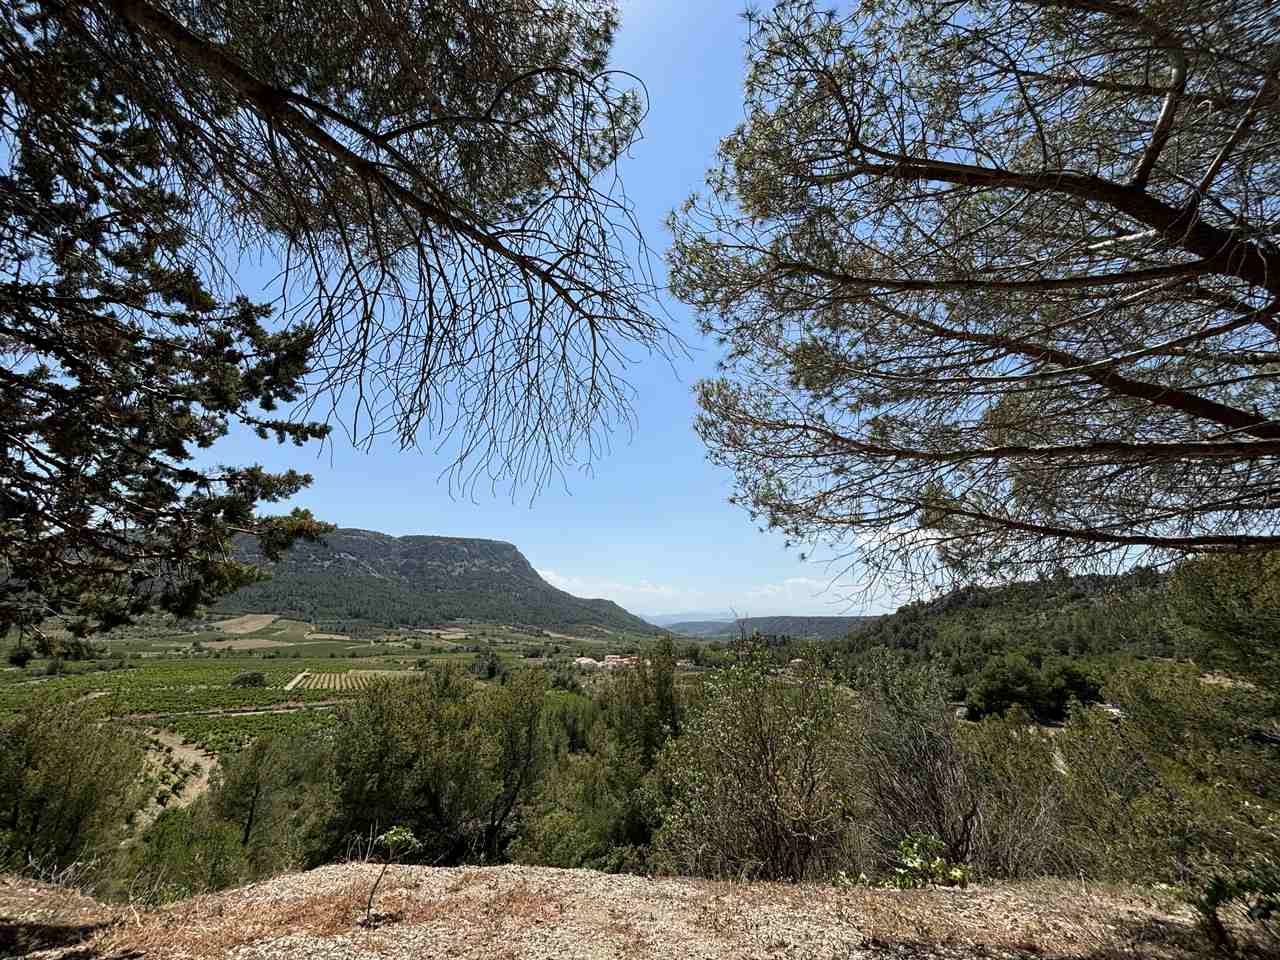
(189, 755)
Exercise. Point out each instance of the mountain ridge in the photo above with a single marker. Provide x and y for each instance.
(358, 576)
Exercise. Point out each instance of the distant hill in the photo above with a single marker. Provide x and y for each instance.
(820, 628)
(364, 577)
(1074, 618)
(667, 619)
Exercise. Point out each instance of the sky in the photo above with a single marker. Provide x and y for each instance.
(650, 527)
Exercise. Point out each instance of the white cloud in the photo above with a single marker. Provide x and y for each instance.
(798, 596)
(805, 588)
(643, 595)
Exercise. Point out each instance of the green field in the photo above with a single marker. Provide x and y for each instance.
(222, 735)
(178, 676)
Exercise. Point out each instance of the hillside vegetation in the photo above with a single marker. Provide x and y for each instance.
(773, 760)
(1037, 644)
(364, 577)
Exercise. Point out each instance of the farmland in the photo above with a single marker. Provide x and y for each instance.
(179, 676)
(349, 681)
(226, 734)
(157, 688)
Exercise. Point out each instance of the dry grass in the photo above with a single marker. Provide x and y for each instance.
(536, 912)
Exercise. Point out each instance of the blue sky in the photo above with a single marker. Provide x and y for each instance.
(650, 527)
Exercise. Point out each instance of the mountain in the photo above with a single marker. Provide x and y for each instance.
(820, 628)
(667, 619)
(703, 628)
(364, 577)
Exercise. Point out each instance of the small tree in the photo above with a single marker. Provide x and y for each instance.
(397, 841)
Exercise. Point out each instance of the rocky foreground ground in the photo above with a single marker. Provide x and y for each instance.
(532, 912)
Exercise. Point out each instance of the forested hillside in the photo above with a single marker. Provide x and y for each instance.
(1042, 641)
(360, 576)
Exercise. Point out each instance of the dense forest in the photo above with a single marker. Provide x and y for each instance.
(1036, 643)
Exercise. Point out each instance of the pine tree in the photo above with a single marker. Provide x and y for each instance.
(119, 365)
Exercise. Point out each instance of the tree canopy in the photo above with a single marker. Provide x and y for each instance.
(456, 261)
(998, 282)
(433, 179)
(118, 364)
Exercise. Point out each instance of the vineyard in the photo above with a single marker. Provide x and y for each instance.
(352, 680)
(189, 685)
(223, 735)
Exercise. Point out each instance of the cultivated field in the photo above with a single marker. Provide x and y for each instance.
(246, 624)
(350, 681)
(177, 677)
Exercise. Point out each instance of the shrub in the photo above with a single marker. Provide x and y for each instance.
(1175, 790)
(599, 805)
(69, 781)
(921, 864)
(20, 656)
(1254, 892)
(757, 783)
(990, 793)
(913, 775)
(249, 678)
(1020, 787)
(441, 755)
(486, 664)
(1044, 689)
(185, 852)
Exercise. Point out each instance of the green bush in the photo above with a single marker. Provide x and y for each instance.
(447, 758)
(756, 784)
(185, 852)
(277, 794)
(249, 679)
(69, 782)
(1176, 789)
(598, 803)
(921, 864)
(1020, 787)
(1044, 688)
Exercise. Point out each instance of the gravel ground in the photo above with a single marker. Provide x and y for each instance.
(535, 913)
